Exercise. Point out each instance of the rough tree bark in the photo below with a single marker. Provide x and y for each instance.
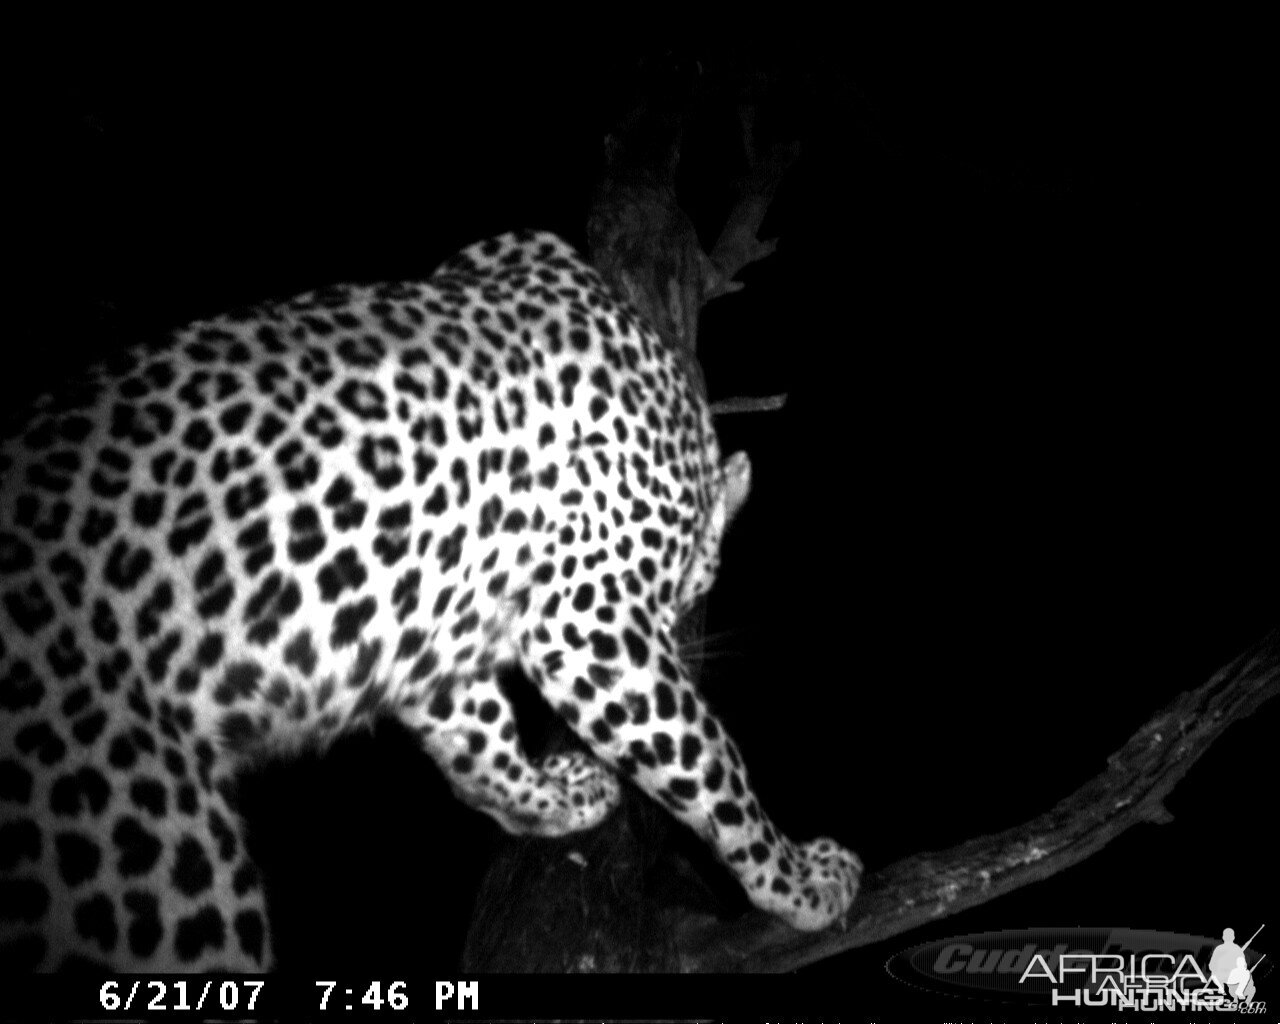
(638, 893)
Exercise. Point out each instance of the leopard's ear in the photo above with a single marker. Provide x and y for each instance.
(737, 483)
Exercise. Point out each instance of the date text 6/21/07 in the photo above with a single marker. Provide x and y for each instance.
(179, 995)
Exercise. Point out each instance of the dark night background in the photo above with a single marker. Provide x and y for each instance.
(1019, 496)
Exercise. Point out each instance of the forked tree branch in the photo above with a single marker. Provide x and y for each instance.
(647, 247)
(929, 886)
(739, 243)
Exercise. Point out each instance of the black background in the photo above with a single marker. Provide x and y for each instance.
(1020, 495)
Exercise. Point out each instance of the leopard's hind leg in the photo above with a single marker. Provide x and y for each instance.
(470, 730)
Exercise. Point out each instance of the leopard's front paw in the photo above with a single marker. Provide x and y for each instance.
(822, 887)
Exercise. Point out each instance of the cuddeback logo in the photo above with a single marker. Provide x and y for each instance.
(1120, 968)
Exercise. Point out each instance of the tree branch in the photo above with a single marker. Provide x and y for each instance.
(925, 887)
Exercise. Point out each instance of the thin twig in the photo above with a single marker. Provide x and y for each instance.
(748, 403)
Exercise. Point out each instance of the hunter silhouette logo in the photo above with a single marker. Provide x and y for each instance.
(1229, 970)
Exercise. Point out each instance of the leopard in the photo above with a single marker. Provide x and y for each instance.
(284, 523)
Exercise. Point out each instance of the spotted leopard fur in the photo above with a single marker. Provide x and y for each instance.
(361, 501)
